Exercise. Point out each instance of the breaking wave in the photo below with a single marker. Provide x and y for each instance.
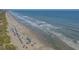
(68, 34)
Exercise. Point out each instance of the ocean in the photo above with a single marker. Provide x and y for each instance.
(65, 22)
(56, 16)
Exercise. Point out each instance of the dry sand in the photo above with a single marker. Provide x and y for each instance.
(19, 33)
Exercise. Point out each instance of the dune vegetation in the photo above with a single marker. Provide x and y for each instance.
(5, 43)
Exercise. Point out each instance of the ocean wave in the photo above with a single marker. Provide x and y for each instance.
(46, 27)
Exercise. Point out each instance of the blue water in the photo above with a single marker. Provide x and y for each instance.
(68, 19)
(56, 16)
(63, 22)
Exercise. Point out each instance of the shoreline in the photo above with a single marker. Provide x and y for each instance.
(40, 36)
(28, 32)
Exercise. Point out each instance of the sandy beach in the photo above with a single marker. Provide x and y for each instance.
(25, 38)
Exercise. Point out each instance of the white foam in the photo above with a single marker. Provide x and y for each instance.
(45, 26)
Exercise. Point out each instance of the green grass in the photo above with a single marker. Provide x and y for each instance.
(5, 42)
(10, 47)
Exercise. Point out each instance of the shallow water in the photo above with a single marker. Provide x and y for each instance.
(65, 22)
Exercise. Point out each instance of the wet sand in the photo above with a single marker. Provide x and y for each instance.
(24, 37)
(27, 37)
